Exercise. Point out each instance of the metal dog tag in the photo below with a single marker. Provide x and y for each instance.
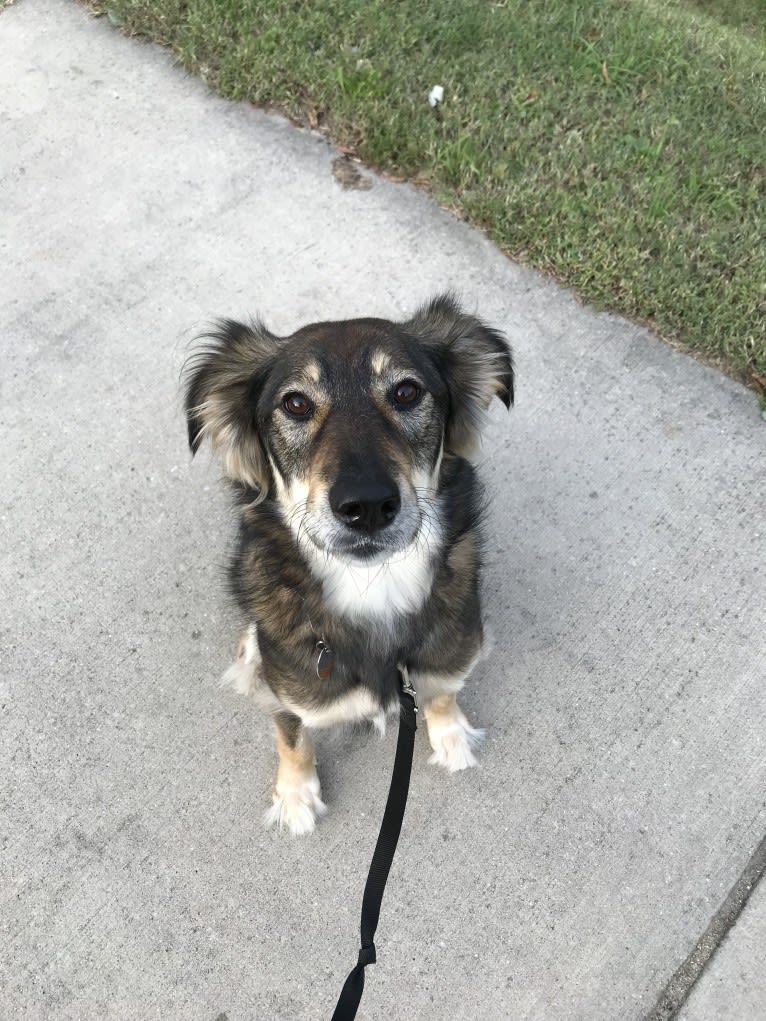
(325, 661)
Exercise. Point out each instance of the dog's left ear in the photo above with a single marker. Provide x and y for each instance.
(223, 376)
(473, 359)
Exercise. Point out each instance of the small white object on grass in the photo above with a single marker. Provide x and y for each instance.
(436, 95)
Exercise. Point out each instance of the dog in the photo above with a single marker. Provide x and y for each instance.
(348, 446)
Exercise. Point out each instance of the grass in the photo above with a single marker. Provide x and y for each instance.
(619, 145)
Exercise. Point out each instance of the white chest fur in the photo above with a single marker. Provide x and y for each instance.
(377, 592)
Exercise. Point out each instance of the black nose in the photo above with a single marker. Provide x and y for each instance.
(365, 506)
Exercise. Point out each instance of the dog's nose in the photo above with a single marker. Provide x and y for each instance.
(365, 506)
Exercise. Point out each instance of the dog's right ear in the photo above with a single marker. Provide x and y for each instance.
(223, 378)
(475, 362)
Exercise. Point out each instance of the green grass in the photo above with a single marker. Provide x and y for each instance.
(619, 145)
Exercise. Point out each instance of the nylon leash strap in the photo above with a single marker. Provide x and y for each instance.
(351, 994)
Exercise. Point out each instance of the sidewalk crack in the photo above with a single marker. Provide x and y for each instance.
(676, 992)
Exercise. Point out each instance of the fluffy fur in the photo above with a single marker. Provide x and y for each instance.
(346, 445)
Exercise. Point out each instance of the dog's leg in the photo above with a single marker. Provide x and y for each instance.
(297, 801)
(244, 674)
(451, 735)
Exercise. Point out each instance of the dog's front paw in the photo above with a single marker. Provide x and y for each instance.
(296, 807)
(453, 742)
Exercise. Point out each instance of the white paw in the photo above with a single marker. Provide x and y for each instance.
(453, 744)
(296, 808)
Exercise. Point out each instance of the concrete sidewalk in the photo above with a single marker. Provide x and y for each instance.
(621, 788)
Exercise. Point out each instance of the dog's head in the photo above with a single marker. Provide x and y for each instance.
(345, 424)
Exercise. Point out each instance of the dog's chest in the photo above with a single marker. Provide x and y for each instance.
(379, 594)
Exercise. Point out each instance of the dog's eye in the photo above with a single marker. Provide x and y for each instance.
(405, 393)
(297, 405)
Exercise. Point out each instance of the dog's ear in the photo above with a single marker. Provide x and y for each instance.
(473, 359)
(223, 378)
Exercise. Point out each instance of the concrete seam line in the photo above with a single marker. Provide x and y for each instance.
(677, 991)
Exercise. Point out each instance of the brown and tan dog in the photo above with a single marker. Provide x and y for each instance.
(347, 445)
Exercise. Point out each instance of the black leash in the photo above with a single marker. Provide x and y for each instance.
(351, 994)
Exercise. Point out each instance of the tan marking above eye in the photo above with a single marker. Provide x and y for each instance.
(379, 362)
(313, 372)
